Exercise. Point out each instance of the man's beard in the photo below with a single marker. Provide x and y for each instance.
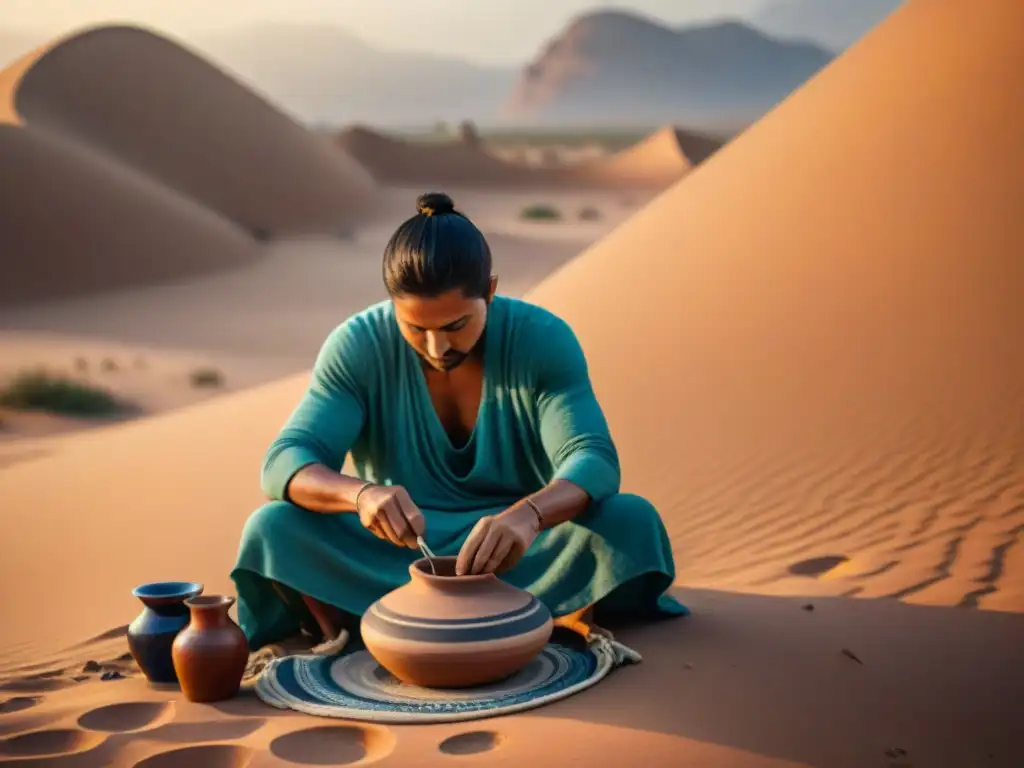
(453, 358)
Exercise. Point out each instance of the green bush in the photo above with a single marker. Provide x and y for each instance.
(206, 377)
(43, 391)
(541, 212)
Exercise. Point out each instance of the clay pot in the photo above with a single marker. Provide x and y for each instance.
(163, 616)
(449, 631)
(211, 653)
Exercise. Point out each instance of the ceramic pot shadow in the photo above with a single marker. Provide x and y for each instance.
(449, 631)
(210, 654)
(152, 633)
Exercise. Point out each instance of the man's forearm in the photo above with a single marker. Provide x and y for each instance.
(321, 489)
(558, 502)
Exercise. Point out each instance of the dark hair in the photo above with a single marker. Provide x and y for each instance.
(436, 251)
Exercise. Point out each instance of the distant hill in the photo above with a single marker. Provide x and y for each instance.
(610, 67)
(326, 74)
(835, 24)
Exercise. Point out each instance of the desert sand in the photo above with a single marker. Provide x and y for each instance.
(808, 351)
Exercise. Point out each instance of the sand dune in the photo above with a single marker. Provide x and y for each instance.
(174, 116)
(653, 163)
(396, 161)
(831, 315)
(823, 396)
(71, 222)
(657, 161)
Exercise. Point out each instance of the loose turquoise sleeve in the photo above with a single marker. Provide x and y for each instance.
(328, 419)
(573, 428)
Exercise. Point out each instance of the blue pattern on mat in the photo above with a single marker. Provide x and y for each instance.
(308, 679)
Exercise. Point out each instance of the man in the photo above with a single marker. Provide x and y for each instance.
(472, 422)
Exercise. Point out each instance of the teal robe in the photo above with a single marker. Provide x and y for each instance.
(539, 420)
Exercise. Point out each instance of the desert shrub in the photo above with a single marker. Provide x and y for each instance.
(206, 377)
(108, 364)
(541, 212)
(589, 214)
(40, 390)
(81, 364)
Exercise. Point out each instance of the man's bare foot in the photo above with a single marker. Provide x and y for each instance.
(582, 623)
(332, 647)
(258, 660)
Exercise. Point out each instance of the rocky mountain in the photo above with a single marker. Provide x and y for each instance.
(614, 67)
(835, 24)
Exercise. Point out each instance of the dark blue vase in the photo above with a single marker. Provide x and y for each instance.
(151, 634)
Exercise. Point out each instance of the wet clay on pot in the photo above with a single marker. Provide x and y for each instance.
(449, 631)
(210, 654)
(163, 616)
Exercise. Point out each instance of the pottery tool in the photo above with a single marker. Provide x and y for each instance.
(427, 553)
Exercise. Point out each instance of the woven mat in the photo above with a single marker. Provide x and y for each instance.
(354, 687)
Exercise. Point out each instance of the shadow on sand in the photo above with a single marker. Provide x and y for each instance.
(934, 686)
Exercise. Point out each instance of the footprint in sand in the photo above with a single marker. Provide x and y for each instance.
(43, 682)
(130, 716)
(471, 743)
(334, 745)
(817, 566)
(18, 703)
(207, 730)
(49, 743)
(207, 756)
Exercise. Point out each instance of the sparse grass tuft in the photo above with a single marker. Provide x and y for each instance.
(40, 390)
(589, 214)
(206, 377)
(541, 212)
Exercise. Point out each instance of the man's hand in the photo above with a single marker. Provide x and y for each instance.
(498, 542)
(388, 512)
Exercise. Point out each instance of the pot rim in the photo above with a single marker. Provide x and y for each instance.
(420, 569)
(209, 602)
(167, 590)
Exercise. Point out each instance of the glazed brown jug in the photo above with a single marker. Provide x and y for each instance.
(448, 631)
(210, 654)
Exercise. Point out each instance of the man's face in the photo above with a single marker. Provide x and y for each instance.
(442, 329)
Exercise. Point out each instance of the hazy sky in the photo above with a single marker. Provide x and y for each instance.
(483, 30)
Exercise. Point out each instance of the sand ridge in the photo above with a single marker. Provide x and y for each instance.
(657, 161)
(653, 163)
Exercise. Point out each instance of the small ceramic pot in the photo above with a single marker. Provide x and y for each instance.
(152, 633)
(449, 631)
(210, 654)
